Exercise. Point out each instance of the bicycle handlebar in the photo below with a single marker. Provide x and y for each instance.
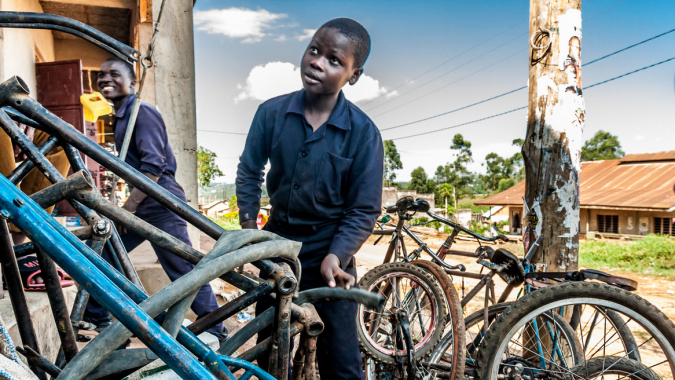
(466, 230)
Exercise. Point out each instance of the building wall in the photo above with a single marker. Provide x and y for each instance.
(91, 55)
(19, 47)
(630, 222)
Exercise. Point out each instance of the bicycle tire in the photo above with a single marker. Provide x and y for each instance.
(612, 365)
(493, 312)
(645, 314)
(456, 337)
(438, 306)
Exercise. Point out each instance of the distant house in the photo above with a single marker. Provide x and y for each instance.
(216, 208)
(634, 195)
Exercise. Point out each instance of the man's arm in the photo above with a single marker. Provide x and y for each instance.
(250, 172)
(364, 200)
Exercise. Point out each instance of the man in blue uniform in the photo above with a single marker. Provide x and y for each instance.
(324, 181)
(150, 153)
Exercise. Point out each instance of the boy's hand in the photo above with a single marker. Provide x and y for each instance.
(249, 225)
(332, 273)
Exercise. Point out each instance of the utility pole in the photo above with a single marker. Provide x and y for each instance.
(553, 142)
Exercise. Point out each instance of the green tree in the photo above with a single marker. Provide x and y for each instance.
(505, 184)
(456, 173)
(392, 162)
(517, 161)
(602, 146)
(233, 201)
(443, 192)
(420, 182)
(207, 169)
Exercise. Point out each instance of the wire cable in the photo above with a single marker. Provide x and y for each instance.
(448, 72)
(524, 87)
(521, 108)
(443, 63)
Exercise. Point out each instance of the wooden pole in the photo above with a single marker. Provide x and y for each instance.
(553, 142)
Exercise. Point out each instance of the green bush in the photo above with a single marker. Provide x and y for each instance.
(478, 227)
(227, 223)
(654, 254)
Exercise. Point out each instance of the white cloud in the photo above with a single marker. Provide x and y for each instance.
(281, 38)
(306, 34)
(246, 24)
(270, 80)
(639, 137)
(278, 78)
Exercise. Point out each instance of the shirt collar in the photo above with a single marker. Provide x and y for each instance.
(123, 109)
(338, 118)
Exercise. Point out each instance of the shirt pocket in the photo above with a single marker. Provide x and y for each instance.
(331, 179)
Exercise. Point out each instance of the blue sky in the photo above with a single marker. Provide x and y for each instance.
(246, 51)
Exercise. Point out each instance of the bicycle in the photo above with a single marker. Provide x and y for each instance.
(501, 262)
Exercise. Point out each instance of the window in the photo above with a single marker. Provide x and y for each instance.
(608, 223)
(664, 226)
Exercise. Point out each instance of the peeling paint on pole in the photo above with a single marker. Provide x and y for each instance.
(554, 132)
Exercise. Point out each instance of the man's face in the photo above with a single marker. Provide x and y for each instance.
(575, 48)
(114, 81)
(327, 64)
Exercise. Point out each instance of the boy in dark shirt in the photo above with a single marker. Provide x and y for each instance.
(325, 181)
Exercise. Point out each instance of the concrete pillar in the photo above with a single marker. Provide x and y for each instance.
(170, 86)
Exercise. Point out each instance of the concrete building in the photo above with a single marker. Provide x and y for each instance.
(392, 194)
(170, 84)
(634, 195)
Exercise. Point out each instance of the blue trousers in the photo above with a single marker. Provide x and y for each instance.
(174, 266)
(338, 351)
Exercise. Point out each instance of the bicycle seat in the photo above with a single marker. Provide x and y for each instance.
(514, 273)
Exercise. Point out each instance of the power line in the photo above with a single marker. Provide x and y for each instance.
(524, 87)
(437, 77)
(224, 132)
(456, 109)
(451, 83)
(521, 108)
(631, 72)
(628, 47)
(448, 72)
(443, 63)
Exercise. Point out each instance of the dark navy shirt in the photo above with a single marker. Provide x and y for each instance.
(323, 182)
(149, 152)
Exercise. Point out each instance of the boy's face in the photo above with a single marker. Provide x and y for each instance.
(328, 63)
(114, 81)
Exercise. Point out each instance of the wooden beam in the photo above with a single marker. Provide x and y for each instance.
(128, 4)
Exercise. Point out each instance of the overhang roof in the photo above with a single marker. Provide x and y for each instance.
(637, 181)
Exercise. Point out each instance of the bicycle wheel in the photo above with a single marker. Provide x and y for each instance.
(455, 337)
(569, 347)
(615, 330)
(516, 337)
(612, 367)
(404, 287)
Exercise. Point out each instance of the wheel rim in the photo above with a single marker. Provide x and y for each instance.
(638, 319)
(424, 293)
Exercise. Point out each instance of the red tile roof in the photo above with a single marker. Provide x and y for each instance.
(637, 181)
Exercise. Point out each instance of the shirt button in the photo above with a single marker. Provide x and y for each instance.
(296, 186)
(304, 153)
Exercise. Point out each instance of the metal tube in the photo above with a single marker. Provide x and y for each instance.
(58, 305)
(57, 192)
(55, 20)
(229, 309)
(40, 161)
(38, 360)
(117, 247)
(26, 249)
(14, 92)
(21, 171)
(64, 29)
(54, 239)
(10, 271)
